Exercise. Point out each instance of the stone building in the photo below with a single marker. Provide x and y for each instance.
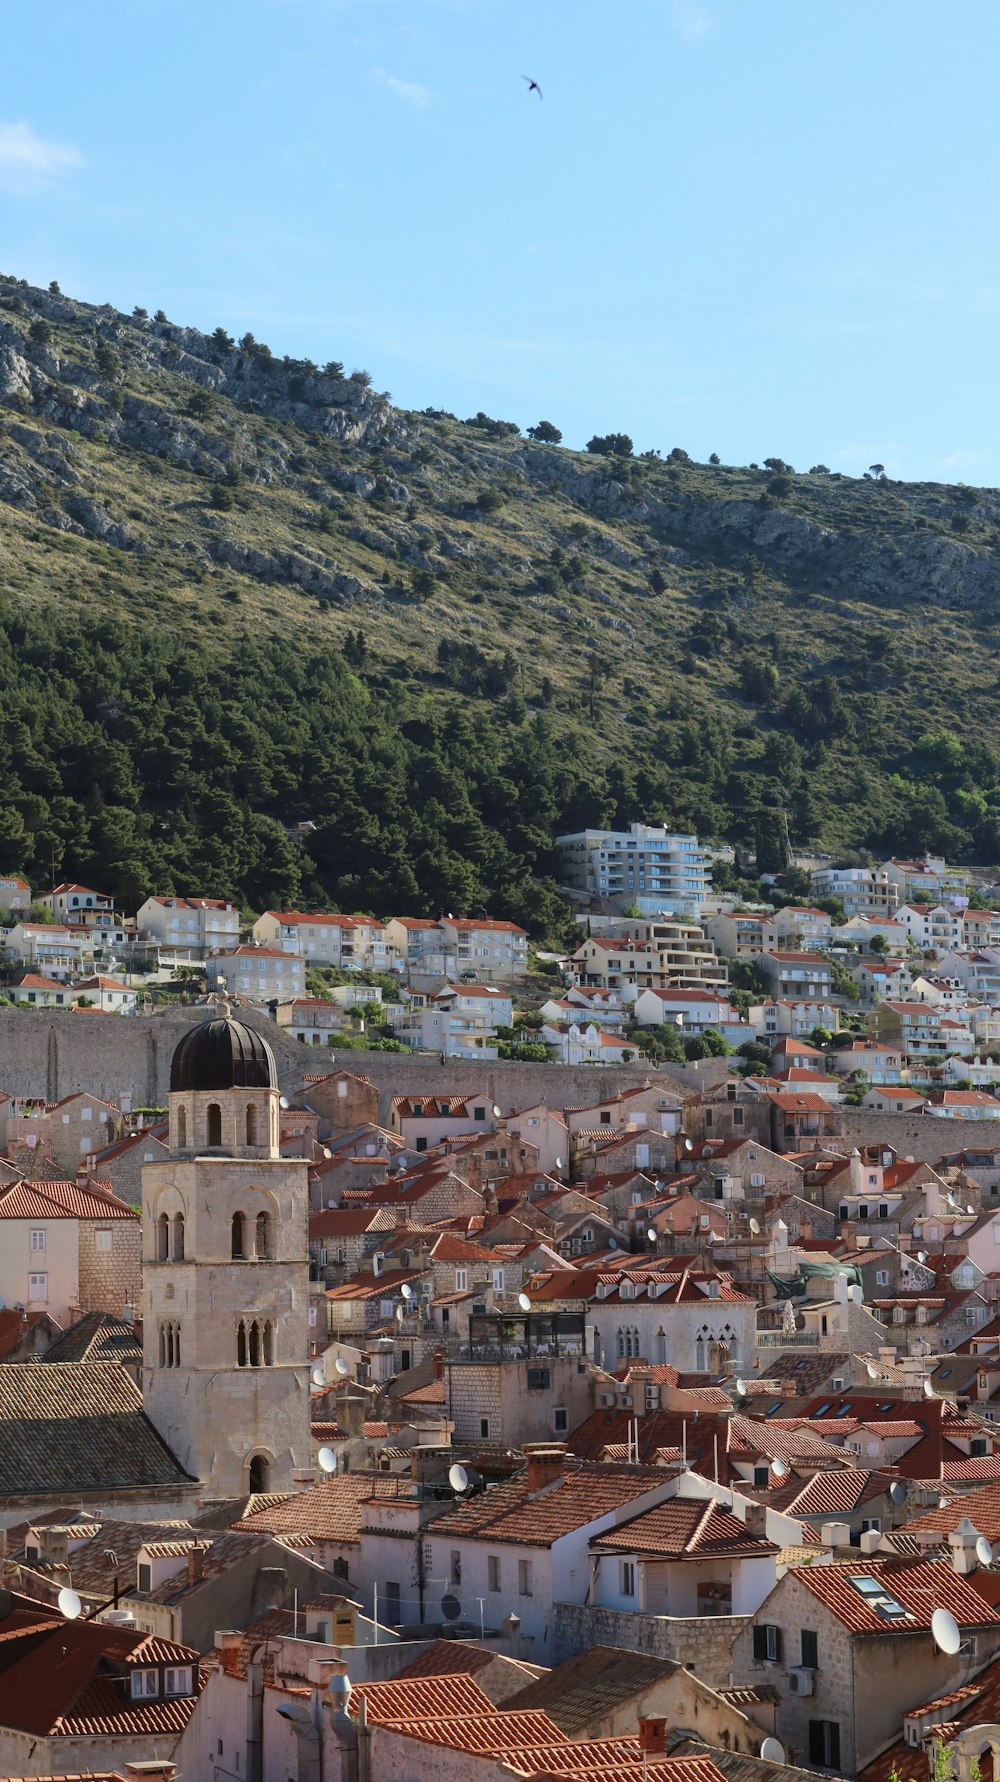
(226, 1272)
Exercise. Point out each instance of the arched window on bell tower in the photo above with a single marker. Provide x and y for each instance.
(269, 1344)
(259, 1473)
(241, 1344)
(239, 1242)
(251, 1123)
(255, 1346)
(263, 1237)
(178, 1237)
(163, 1238)
(182, 1129)
(213, 1119)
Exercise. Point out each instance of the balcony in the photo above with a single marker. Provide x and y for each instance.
(776, 1339)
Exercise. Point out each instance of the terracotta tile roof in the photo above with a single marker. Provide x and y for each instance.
(434, 1697)
(14, 1327)
(919, 1587)
(589, 1687)
(447, 1657)
(97, 1336)
(982, 1508)
(62, 1200)
(510, 1512)
(684, 1528)
(331, 1511)
(94, 1572)
(833, 1493)
(75, 1427)
(64, 1681)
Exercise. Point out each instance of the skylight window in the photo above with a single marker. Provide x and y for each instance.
(822, 1411)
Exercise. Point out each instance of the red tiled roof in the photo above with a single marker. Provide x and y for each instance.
(510, 1512)
(62, 1200)
(330, 1511)
(684, 1528)
(920, 1587)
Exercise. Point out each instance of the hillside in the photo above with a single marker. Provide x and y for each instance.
(240, 593)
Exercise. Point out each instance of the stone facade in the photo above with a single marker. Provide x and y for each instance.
(703, 1642)
(110, 1278)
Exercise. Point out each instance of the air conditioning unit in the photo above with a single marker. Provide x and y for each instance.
(607, 1398)
(800, 1680)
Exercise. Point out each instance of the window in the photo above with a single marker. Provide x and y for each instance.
(539, 1379)
(874, 1522)
(824, 1744)
(182, 1129)
(461, 1280)
(810, 1650)
(628, 1577)
(263, 1237)
(102, 1240)
(38, 1239)
(881, 1277)
(737, 1116)
(420, 1143)
(767, 1644)
(238, 1247)
(560, 1420)
(498, 1280)
(214, 1124)
(524, 1579)
(455, 1567)
(251, 1123)
(761, 1475)
(479, 1113)
(145, 1577)
(259, 1474)
(977, 1447)
(145, 1683)
(178, 1246)
(38, 1287)
(493, 1571)
(162, 1238)
(484, 1428)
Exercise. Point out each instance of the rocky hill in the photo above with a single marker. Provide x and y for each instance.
(240, 593)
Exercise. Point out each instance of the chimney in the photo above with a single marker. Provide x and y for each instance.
(438, 1360)
(351, 1414)
(150, 1770)
(546, 1463)
(228, 1646)
(962, 1542)
(303, 1480)
(755, 1521)
(196, 1561)
(652, 1735)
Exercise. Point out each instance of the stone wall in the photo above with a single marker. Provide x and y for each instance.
(111, 1279)
(913, 1135)
(703, 1642)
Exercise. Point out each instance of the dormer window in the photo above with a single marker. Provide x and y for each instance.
(145, 1683)
(177, 1681)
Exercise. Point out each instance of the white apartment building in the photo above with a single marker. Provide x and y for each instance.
(934, 928)
(352, 943)
(459, 1021)
(79, 906)
(861, 891)
(643, 865)
(264, 974)
(459, 946)
(192, 926)
(650, 955)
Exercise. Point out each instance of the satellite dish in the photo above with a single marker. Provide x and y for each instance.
(458, 1478)
(651, 1234)
(327, 1460)
(319, 1375)
(68, 1603)
(524, 1302)
(342, 1366)
(659, 1186)
(496, 1112)
(451, 1608)
(741, 1387)
(970, 1208)
(779, 1467)
(612, 1243)
(282, 1101)
(946, 1632)
(921, 1255)
(327, 1153)
(772, 1751)
(871, 1371)
(714, 1238)
(406, 1290)
(897, 1491)
(984, 1552)
(928, 1389)
(559, 1163)
(688, 1145)
(755, 1227)
(400, 1314)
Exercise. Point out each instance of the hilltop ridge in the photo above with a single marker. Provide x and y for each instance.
(443, 642)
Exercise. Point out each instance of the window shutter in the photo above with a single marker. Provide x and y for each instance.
(810, 1650)
(760, 1643)
(817, 1743)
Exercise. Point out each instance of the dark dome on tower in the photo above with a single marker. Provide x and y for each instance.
(222, 1054)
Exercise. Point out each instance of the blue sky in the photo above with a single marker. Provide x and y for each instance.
(754, 227)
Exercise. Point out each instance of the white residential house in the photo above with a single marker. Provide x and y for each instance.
(583, 1042)
(861, 891)
(933, 928)
(691, 1011)
(932, 875)
(15, 894)
(802, 927)
(38, 992)
(191, 927)
(741, 934)
(496, 952)
(79, 906)
(312, 1020)
(110, 995)
(53, 949)
(354, 943)
(794, 1015)
(264, 974)
(459, 1021)
(805, 975)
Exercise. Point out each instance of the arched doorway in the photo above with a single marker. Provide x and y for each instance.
(259, 1473)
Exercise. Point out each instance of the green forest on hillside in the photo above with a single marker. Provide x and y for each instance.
(238, 594)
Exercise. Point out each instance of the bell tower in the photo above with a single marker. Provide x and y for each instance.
(226, 1271)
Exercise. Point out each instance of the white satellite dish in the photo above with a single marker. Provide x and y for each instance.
(327, 1460)
(779, 1467)
(458, 1478)
(68, 1603)
(282, 1101)
(688, 1145)
(524, 1302)
(559, 1163)
(496, 1111)
(400, 1314)
(741, 1387)
(319, 1375)
(651, 1234)
(406, 1290)
(772, 1751)
(897, 1491)
(327, 1153)
(984, 1552)
(921, 1255)
(970, 1208)
(946, 1632)
(342, 1366)
(755, 1227)
(928, 1389)
(714, 1238)
(871, 1371)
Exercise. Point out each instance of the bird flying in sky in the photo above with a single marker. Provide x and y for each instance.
(533, 86)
